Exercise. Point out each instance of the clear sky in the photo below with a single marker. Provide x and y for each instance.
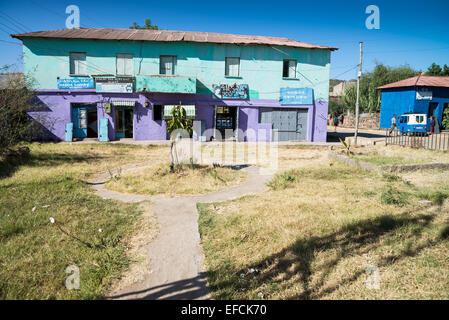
(411, 32)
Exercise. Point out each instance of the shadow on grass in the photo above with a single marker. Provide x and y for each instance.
(9, 165)
(295, 261)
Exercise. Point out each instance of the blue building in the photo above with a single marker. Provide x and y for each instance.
(420, 94)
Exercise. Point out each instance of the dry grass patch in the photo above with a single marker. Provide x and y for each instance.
(186, 179)
(315, 233)
(392, 155)
(34, 253)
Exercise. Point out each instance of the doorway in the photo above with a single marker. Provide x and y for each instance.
(85, 120)
(123, 122)
(226, 119)
(432, 109)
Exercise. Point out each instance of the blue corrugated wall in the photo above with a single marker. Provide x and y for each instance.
(395, 101)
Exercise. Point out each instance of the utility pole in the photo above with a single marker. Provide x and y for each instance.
(358, 97)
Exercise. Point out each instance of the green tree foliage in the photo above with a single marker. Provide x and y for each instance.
(369, 96)
(147, 25)
(445, 121)
(179, 120)
(336, 107)
(436, 70)
(15, 103)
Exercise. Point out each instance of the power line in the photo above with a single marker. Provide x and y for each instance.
(18, 24)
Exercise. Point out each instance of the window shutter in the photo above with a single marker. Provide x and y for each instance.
(125, 64)
(292, 69)
(167, 65)
(78, 63)
(120, 64)
(232, 67)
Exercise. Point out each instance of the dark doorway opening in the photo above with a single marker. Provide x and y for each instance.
(92, 123)
(432, 109)
(226, 120)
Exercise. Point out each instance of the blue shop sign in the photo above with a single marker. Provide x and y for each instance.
(76, 83)
(296, 96)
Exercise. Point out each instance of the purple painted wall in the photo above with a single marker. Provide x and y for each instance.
(56, 112)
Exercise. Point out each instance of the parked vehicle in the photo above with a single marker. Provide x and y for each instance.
(413, 123)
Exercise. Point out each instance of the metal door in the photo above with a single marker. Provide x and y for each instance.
(103, 136)
(290, 123)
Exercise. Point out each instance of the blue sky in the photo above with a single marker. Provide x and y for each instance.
(411, 32)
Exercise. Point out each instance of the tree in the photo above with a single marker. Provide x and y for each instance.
(436, 70)
(176, 126)
(369, 95)
(147, 25)
(15, 103)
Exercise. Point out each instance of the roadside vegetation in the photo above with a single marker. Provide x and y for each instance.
(322, 228)
(88, 232)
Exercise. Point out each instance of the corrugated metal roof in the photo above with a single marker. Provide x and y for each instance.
(422, 81)
(165, 35)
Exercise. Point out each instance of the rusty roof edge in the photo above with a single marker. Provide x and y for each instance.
(254, 39)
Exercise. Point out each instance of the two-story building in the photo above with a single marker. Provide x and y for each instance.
(116, 83)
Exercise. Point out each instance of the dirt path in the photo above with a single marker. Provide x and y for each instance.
(176, 257)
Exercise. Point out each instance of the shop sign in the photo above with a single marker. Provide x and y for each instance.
(296, 96)
(231, 91)
(424, 94)
(76, 83)
(107, 107)
(116, 85)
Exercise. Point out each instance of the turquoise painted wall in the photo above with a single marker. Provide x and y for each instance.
(260, 65)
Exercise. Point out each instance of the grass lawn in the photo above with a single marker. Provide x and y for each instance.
(34, 253)
(382, 160)
(319, 228)
(396, 155)
(186, 179)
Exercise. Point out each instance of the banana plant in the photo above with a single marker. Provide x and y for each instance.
(347, 146)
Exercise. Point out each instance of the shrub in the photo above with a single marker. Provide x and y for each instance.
(284, 180)
(394, 197)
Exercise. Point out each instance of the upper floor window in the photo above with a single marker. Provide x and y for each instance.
(78, 63)
(232, 68)
(167, 65)
(289, 69)
(125, 64)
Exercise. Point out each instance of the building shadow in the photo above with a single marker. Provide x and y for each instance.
(334, 136)
(188, 289)
(11, 164)
(296, 261)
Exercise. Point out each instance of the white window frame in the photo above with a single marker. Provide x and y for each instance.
(290, 69)
(77, 66)
(173, 66)
(128, 64)
(228, 70)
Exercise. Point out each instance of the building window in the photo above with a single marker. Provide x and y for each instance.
(78, 63)
(232, 68)
(157, 112)
(125, 64)
(289, 69)
(167, 65)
